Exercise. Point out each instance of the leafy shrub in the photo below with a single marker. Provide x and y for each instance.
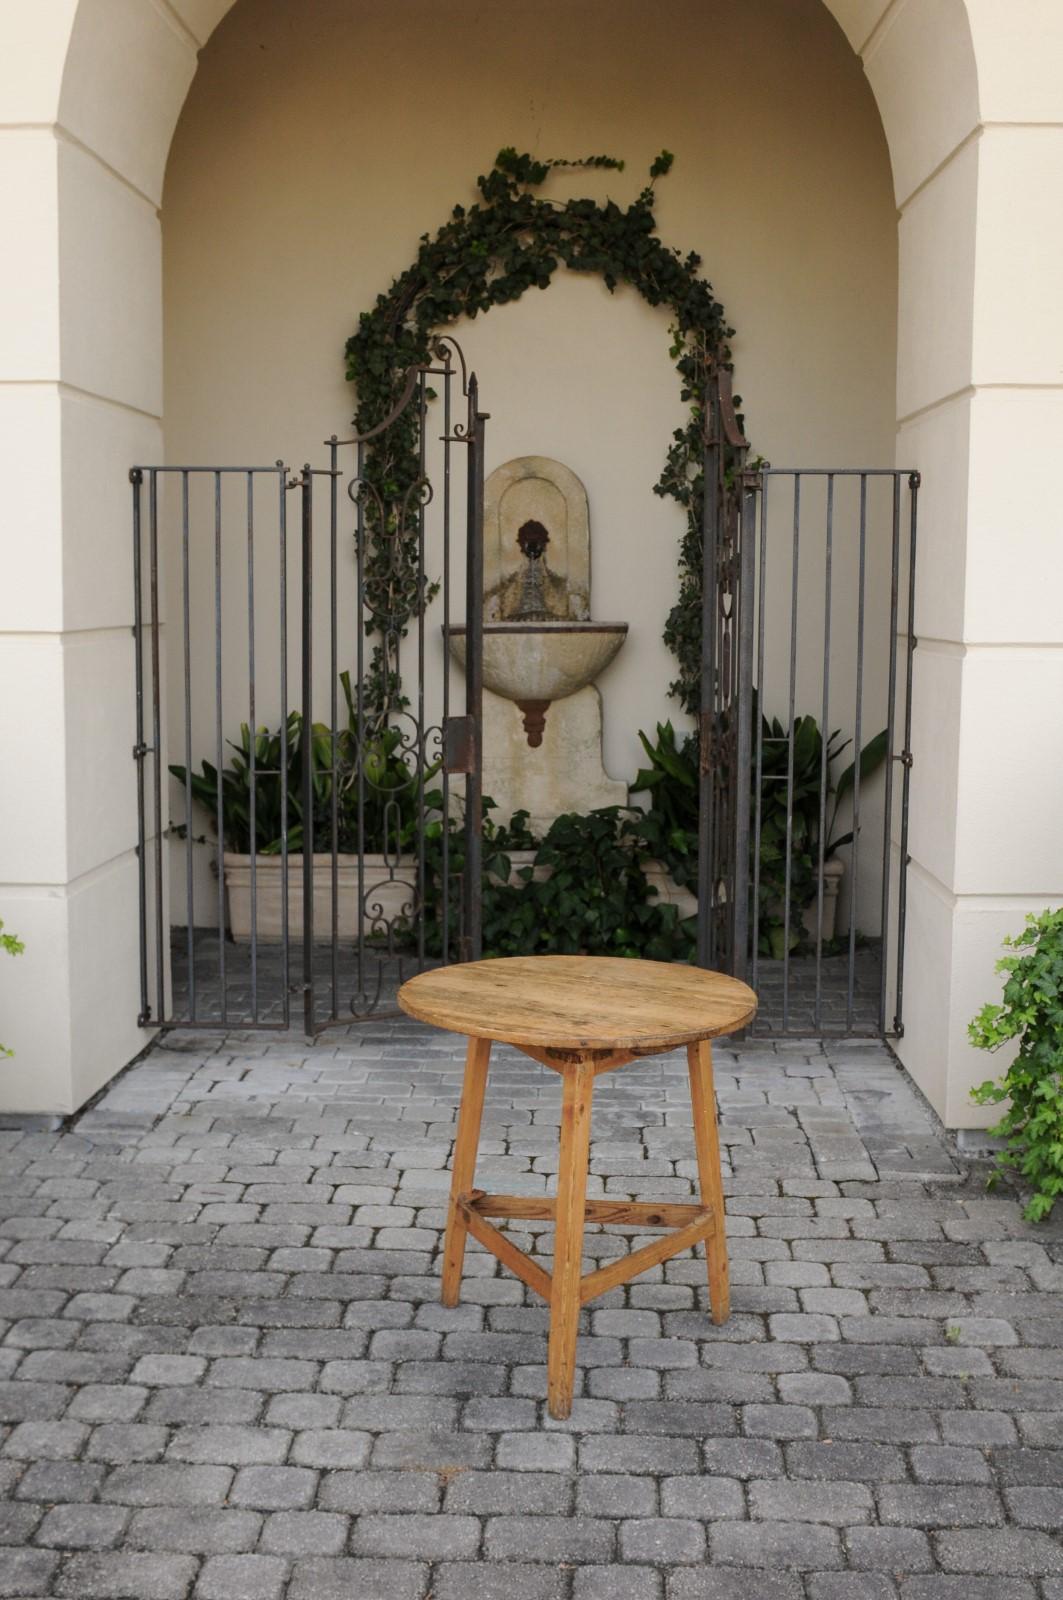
(13, 947)
(592, 900)
(372, 750)
(669, 827)
(1032, 1013)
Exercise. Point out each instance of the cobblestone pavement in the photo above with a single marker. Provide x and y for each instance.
(225, 1374)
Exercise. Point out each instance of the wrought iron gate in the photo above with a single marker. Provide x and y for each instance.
(808, 573)
(346, 852)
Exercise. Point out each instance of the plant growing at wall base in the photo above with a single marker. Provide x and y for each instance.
(487, 255)
(1032, 1087)
(12, 947)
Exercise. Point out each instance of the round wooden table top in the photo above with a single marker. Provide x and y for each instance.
(580, 1002)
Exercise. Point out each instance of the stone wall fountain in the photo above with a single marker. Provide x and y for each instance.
(542, 728)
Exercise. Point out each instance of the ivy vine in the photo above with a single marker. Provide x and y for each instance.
(487, 255)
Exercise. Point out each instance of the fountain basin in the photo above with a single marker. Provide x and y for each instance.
(542, 661)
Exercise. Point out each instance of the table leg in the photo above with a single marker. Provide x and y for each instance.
(463, 1167)
(707, 1145)
(568, 1235)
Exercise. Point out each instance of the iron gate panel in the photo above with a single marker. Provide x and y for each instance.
(726, 667)
(795, 559)
(314, 787)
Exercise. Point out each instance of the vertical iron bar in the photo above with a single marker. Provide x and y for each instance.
(308, 750)
(902, 887)
(186, 631)
(474, 608)
(887, 826)
(823, 765)
(219, 745)
(136, 479)
(251, 712)
(760, 589)
(359, 558)
(282, 776)
(156, 734)
(850, 1002)
(790, 755)
(422, 753)
(706, 942)
(743, 709)
(334, 668)
(445, 885)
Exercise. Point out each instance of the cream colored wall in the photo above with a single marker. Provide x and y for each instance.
(311, 154)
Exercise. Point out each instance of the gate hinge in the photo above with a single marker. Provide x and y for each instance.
(140, 751)
(459, 745)
(906, 758)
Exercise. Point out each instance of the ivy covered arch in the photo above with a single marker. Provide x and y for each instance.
(489, 254)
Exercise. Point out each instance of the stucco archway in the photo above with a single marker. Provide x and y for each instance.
(971, 99)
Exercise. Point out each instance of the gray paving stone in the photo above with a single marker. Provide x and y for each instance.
(167, 1485)
(304, 1533)
(535, 1452)
(850, 1586)
(27, 1572)
(274, 1488)
(616, 1583)
(83, 1527)
(784, 1500)
(379, 1491)
(776, 1545)
(949, 1464)
(662, 1541)
(940, 1586)
(896, 1550)
(705, 1497)
(731, 1583)
(1008, 1551)
(197, 1531)
(939, 1505)
(432, 1538)
(461, 1580)
(338, 1578)
(498, 1492)
(242, 1577)
(127, 1575)
(17, 1523)
(562, 1539)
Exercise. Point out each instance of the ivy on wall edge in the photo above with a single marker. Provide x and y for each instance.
(489, 254)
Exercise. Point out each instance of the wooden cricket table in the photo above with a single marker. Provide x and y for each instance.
(581, 1015)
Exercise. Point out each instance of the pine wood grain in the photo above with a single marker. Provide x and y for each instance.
(633, 1213)
(580, 1003)
(463, 1170)
(651, 1255)
(568, 1236)
(518, 1261)
(707, 1146)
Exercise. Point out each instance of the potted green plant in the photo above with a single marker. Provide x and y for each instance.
(376, 793)
(669, 826)
(1032, 1087)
